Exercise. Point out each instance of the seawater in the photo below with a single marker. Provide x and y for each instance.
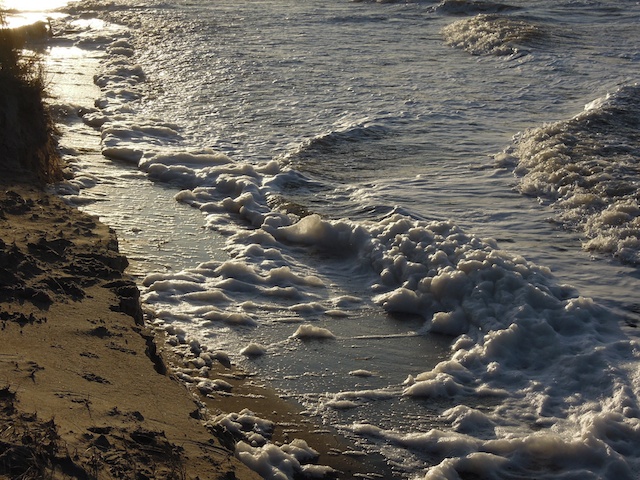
(420, 219)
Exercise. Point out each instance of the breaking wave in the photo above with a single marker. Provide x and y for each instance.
(588, 169)
(491, 35)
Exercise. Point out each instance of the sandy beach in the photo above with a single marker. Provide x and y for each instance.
(83, 391)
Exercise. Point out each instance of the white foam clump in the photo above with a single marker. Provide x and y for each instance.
(361, 373)
(341, 404)
(490, 34)
(313, 230)
(127, 140)
(372, 394)
(208, 386)
(456, 281)
(245, 424)
(198, 159)
(253, 350)
(308, 308)
(517, 457)
(312, 332)
(586, 168)
(518, 329)
(282, 463)
(469, 420)
(253, 448)
(219, 292)
(220, 187)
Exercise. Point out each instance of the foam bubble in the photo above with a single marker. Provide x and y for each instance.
(288, 461)
(253, 350)
(312, 332)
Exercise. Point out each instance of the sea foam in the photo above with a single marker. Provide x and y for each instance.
(499, 410)
(586, 168)
(493, 34)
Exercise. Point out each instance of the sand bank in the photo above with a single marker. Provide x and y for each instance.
(83, 392)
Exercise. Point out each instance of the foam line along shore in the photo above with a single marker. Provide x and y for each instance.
(117, 183)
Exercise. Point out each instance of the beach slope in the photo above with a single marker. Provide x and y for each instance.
(83, 392)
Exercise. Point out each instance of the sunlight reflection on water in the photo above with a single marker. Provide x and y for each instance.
(34, 5)
(26, 13)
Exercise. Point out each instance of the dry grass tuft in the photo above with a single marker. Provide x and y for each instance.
(30, 448)
(27, 131)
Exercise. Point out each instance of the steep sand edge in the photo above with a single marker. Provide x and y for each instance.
(82, 392)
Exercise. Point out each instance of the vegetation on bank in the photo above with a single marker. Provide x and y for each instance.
(28, 142)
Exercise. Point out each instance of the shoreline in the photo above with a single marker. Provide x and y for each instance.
(247, 393)
(58, 378)
(88, 391)
(82, 389)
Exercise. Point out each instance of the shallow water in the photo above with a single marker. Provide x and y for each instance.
(358, 167)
